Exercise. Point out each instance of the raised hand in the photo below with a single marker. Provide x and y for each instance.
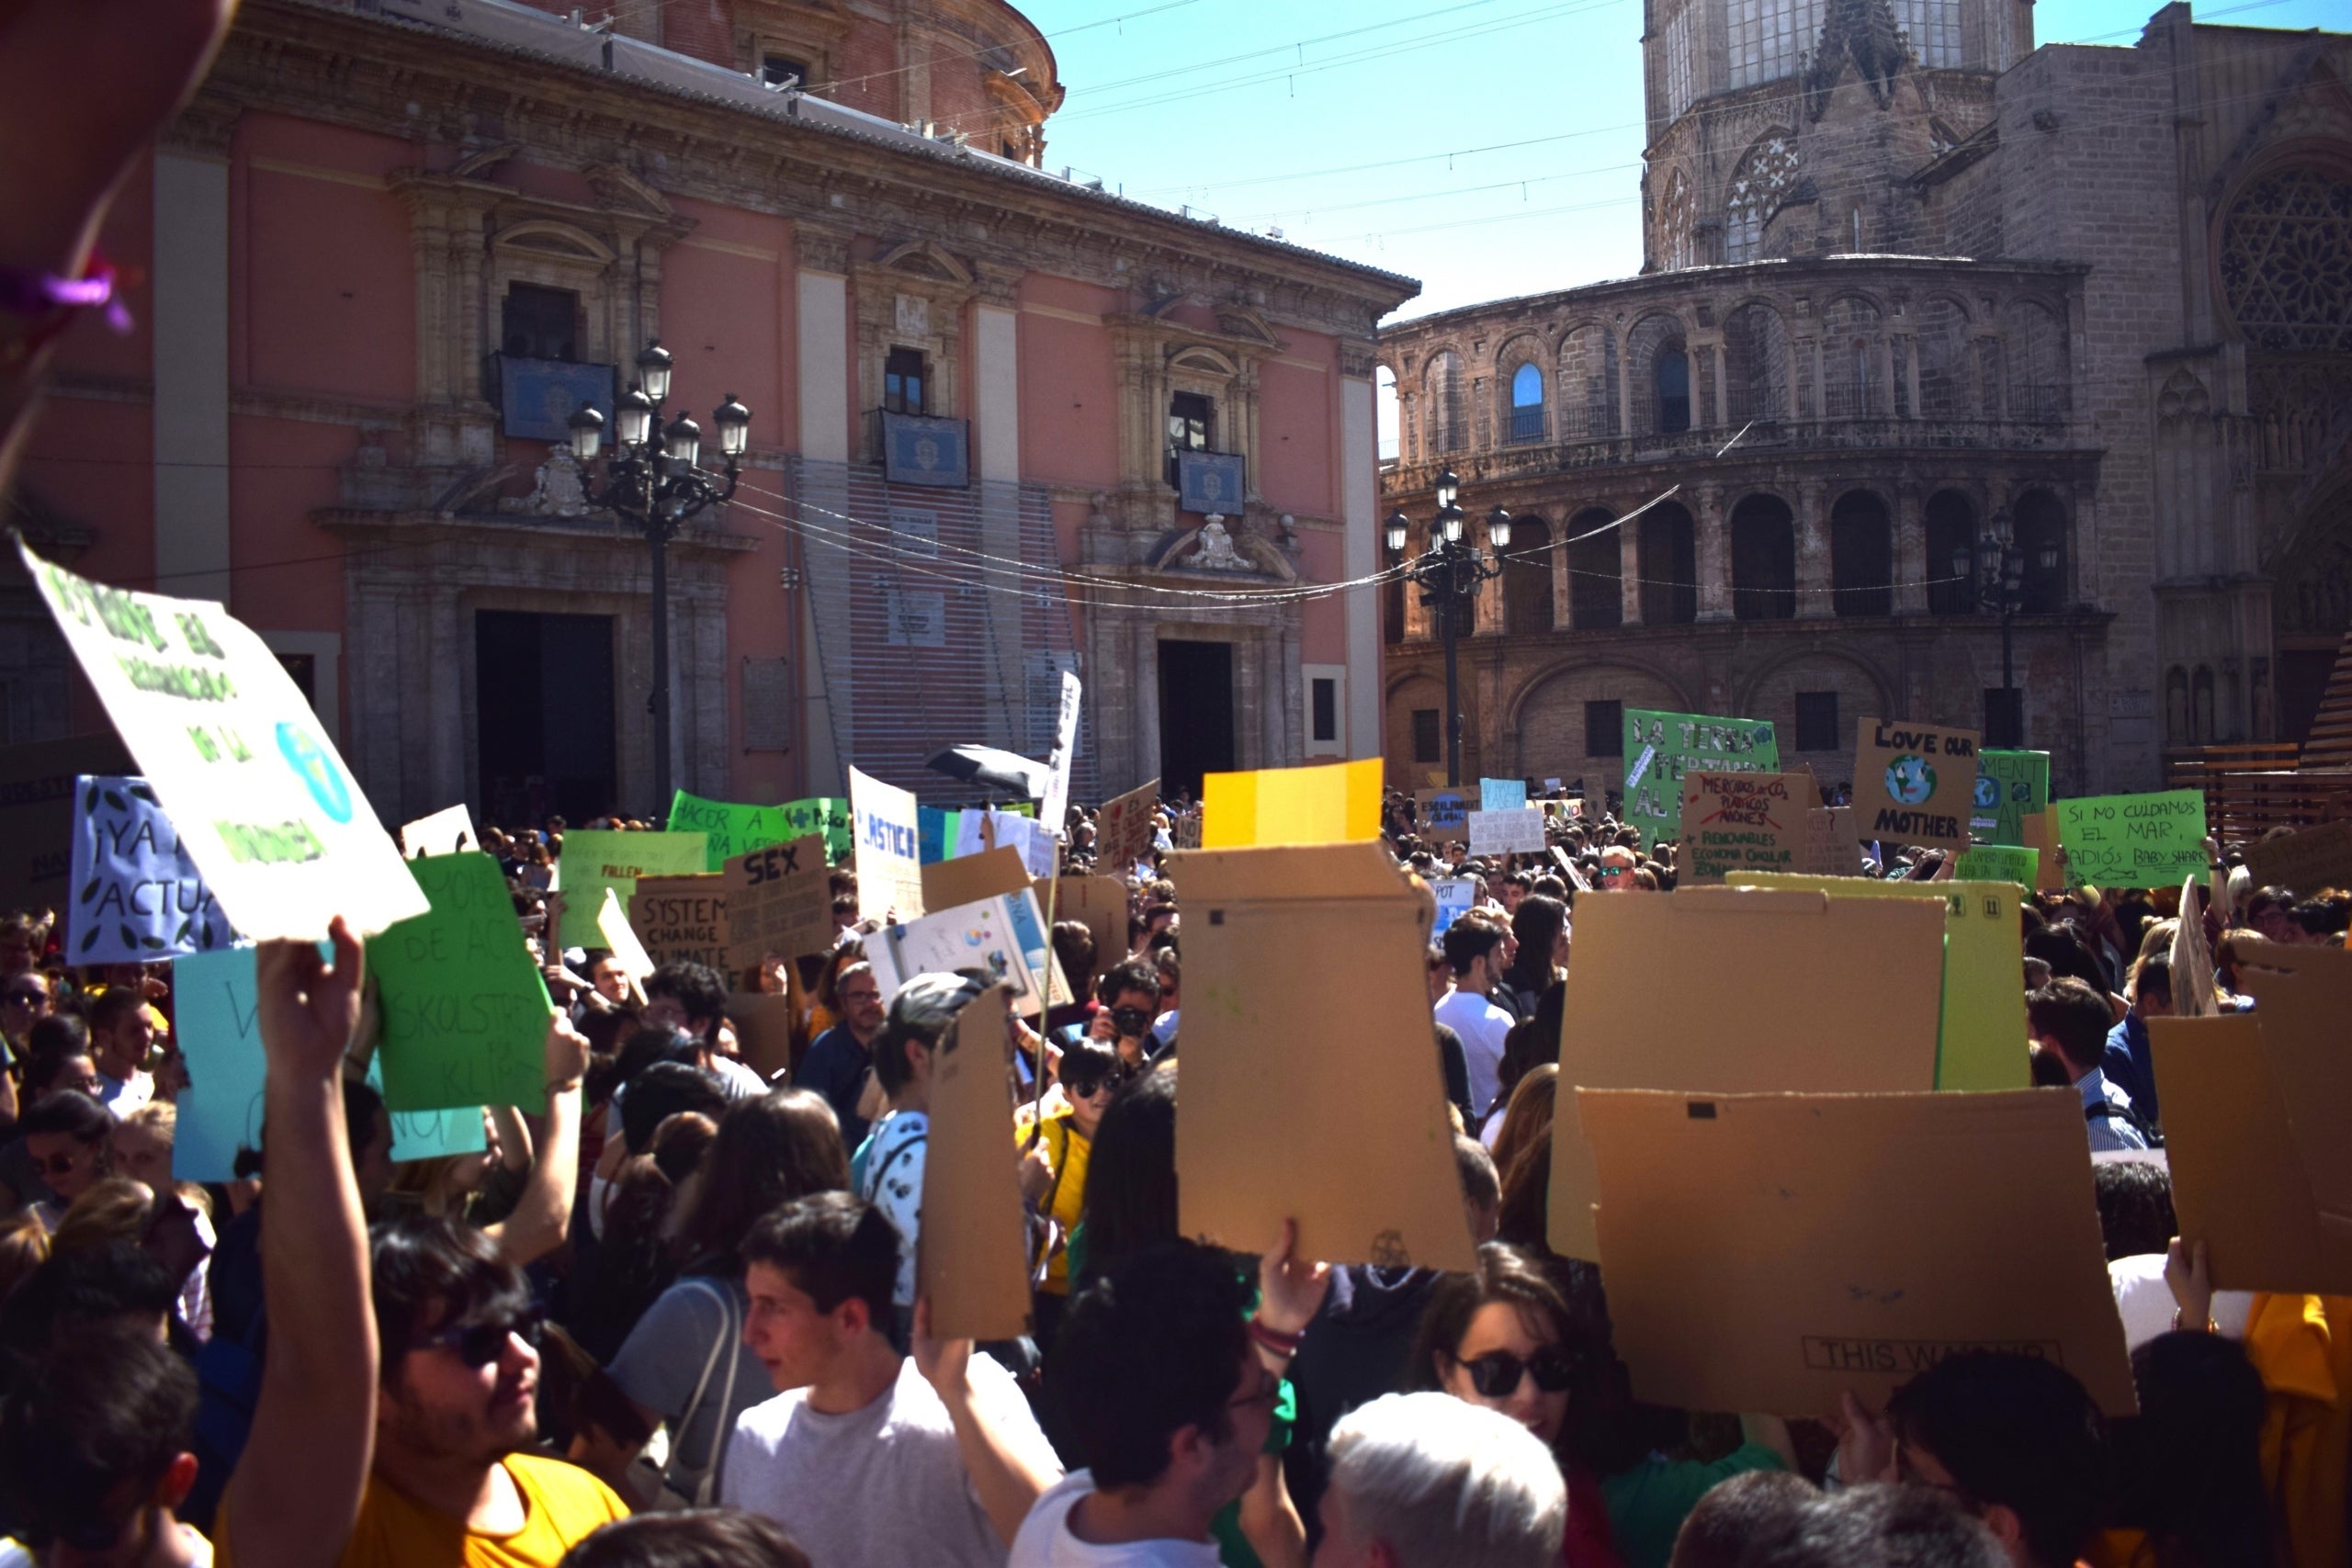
(308, 1012)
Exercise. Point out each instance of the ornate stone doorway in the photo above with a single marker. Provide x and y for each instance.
(1196, 712)
(543, 701)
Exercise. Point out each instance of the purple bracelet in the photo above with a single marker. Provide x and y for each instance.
(39, 293)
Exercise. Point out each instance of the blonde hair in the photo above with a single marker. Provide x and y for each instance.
(115, 1209)
(160, 1117)
(24, 1246)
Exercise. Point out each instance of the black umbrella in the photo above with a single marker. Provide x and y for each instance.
(1006, 772)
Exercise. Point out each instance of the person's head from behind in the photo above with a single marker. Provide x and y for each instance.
(1474, 951)
(1540, 925)
(1151, 1383)
(2188, 1467)
(2135, 1214)
(664, 1090)
(2152, 985)
(819, 1272)
(95, 1446)
(1130, 991)
(121, 1032)
(1131, 1172)
(1481, 1190)
(693, 1538)
(781, 1146)
(2071, 1018)
(110, 1284)
(1424, 1481)
(2018, 1440)
(1754, 1506)
(685, 995)
(920, 1015)
(1868, 1526)
(458, 1335)
(1500, 1337)
(69, 1139)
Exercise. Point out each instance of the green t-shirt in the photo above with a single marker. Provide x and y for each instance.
(1649, 1503)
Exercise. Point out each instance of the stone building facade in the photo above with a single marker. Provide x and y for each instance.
(1004, 423)
(1908, 279)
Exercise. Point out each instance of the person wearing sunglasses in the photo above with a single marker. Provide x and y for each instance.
(69, 1139)
(1501, 1338)
(1053, 1171)
(24, 1000)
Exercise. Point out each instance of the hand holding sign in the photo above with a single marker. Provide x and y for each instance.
(465, 1010)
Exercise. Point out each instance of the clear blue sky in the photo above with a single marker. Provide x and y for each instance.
(1487, 147)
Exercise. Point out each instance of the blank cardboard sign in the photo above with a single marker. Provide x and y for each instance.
(1769, 1252)
(1738, 991)
(1304, 986)
(1097, 903)
(967, 879)
(972, 1260)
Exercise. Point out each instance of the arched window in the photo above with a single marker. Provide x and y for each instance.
(2034, 349)
(1669, 556)
(1766, 175)
(1755, 364)
(1849, 339)
(1942, 340)
(1763, 559)
(1449, 404)
(2177, 721)
(2287, 261)
(1661, 376)
(1526, 404)
(1952, 527)
(2039, 527)
(1861, 556)
(1596, 573)
(2200, 704)
(1673, 390)
(1527, 577)
(1588, 383)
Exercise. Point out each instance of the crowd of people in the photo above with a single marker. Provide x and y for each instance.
(675, 1317)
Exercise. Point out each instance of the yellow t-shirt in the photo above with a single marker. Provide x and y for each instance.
(1067, 1149)
(562, 1503)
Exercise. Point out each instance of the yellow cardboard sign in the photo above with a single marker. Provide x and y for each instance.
(1337, 803)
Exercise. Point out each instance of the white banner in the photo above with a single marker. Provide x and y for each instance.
(884, 834)
(1507, 832)
(1055, 803)
(448, 831)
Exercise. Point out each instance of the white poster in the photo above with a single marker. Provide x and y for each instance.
(1001, 938)
(448, 831)
(885, 829)
(137, 897)
(266, 808)
(1507, 832)
(1055, 803)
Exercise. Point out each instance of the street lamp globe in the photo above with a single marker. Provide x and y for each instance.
(653, 369)
(1964, 561)
(734, 422)
(682, 442)
(1397, 526)
(634, 416)
(1499, 529)
(587, 427)
(2046, 558)
(1449, 523)
(1448, 489)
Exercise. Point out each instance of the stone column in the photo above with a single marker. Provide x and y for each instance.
(1625, 387)
(1715, 556)
(821, 299)
(995, 346)
(1722, 393)
(1812, 553)
(1629, 572)
(1911, 571)
(1360, 552)
(446, 769)
(1146, 698)
(190, 336)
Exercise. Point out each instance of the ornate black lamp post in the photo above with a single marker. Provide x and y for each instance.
(1994, 570)
(1448, 576)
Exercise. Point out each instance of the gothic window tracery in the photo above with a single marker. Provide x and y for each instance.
(1763, 179)
(2287, 261)
(1932, 30)
(1675, 220)
(1770, 39)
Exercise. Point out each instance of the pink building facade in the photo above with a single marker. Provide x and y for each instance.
(1003, 423)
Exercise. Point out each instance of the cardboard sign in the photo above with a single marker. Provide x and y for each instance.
(612, 921)
(1501, 795)
(448, 831)
(2133, 840)
(728, 829)
(2009, 786)
(1185, 829)
(1829, 841)
(1122, 829)
(1097, 903)
(1516, 831)
(269, 813)
(1636, 1018)
(1660, 748)
(1441, 813)
(1002, 938)
(1286, 950)
(778, 900)
(680, 919)
(1053, 810)
(1761, 1256)
(37, 802)
(1335, 803)
(464, 1007)
(137, 895)
(594, 860)
(1741, 822)
(966, 879)
(889, 863)
(2305, 862)
(1980, 1019)
(216, 1000)
(2039, 831)
(971, 1260)
(1455, 896)
(1568, 871)
(763, 1026)
(1998, 863)
(1914, 783)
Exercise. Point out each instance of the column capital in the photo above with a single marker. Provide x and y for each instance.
(820, 247)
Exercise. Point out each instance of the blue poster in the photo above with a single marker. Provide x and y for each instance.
(137, 897)
(1502, 795)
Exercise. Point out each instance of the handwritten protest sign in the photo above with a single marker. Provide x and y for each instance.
(1455, 896)
(1334, 803)
(464, 1007)
(215, 999)
(888, 849)
(1123, 830)
(1998, 863)
(2306, 862)
(1660, 748)
(727, 828)
(1914, 783)
(1443, 812)
(1501, 795)
(137, 895)
(1829, 841)
(828, 815)
(1741, 822)
(445, 832)
(1518, 831)
(2009, 786)
(597, 859)
(269, 813)
(612, 920)
(778, 900)
(683, 920)
(2133, 840)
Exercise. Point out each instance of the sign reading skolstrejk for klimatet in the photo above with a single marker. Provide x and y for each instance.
(263, 802)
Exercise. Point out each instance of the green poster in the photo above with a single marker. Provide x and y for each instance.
(465, 1008)
(1998, 863)
(1981, 1037)
(2010, 785)
(828, 815)
(1661, 747)
(728, 829)
(596, 858)
(2133, 840)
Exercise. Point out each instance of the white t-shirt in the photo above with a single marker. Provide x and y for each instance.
(1482, 1026)
(1045, 1541)
(2144, 1301)
(891, 1180)
(884, 1486)
(739, 1081)
(123, 1096)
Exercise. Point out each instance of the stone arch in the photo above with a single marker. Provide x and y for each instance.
(1596, 571)
(1545, 718)
(1668, 551)
(1941, 337)
(1863, 689)
(1660, 365)
(1527, 577)
(2033, 355)
(1201, 357)
(1862, 555)
(1589, 383)
(1852, 335)
(554, 238)
(1519, 379)
(1446, 381)
(1757, 362)
(1763, 559)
